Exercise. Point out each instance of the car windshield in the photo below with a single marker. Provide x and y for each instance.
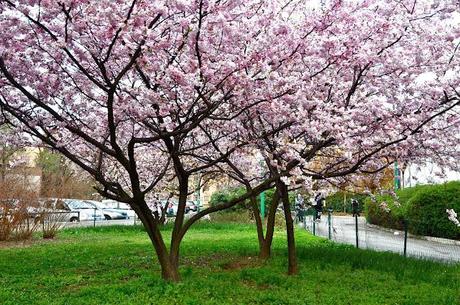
(79, 204)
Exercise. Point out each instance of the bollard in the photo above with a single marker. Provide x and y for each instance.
(405, 238)
(329, 216)
(356, 229)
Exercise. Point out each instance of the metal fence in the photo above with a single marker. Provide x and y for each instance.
(357, 231)
(62, 219)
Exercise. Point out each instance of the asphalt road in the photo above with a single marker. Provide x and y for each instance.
(373, 237)
(343, 231)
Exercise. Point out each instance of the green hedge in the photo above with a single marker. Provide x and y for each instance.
(426, 211)
(336, 201)
(423, 207)
(230, 194)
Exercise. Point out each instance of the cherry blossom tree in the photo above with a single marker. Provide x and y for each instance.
(367, 93)
(138, 93)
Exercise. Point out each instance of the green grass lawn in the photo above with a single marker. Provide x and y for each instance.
(117, 266)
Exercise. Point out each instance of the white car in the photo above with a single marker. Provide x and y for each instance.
(119, 206)
(86, 210)
(109, 213)
(77, 210)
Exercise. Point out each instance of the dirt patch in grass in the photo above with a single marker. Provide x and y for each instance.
(238, 264)
(204, 261)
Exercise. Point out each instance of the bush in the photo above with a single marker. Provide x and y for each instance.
(230, 194)
(15, 219)
(392, 218)
(336, 201)
(231, 217)
(426, 211)
(423, 207)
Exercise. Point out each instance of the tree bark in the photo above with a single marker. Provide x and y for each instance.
(265, 250)
(169, 268)
(180, 215)
(258, 219)
(292, 258)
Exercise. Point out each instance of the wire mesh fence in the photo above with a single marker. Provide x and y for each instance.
(13, 224)
(357, 231)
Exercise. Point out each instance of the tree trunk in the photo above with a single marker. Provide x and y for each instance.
(169, 268)
(292, 258)
(180, 215)
(265, 250)
(258, 219)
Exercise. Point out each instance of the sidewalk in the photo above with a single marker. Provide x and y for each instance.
(383, 239)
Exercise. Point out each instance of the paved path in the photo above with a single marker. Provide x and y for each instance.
(373, 237)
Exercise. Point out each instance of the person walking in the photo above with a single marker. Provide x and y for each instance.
(319, 205)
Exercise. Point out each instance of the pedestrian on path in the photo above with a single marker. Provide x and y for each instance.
(318, 205)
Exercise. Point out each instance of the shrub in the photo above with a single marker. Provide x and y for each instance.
(393, 217)
(337, 203)
(230, 194)
(424, 208)
(426, 211)
(227, 195)
(15, 217)
(231, 217)
(52, 222)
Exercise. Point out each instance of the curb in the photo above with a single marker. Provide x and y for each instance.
(428, 238)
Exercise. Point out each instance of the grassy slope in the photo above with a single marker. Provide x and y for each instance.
(117, 266)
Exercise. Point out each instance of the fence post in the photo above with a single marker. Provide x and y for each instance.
(405, 238)
(329, 216)
(94, 218)
(314, 222)
(356, 230)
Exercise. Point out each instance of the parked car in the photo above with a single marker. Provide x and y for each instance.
(116, 205)
(109, 213)
(54, 206)
(86, 210)
(74, 210)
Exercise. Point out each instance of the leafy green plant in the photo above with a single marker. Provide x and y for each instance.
(427, 211)
(423, 207)
(341, 201)
(230, 194)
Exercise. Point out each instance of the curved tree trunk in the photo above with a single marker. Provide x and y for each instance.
(258, 219)
(265, 242)
(265, 250)
(180, 215)
(169, 269)
(292, 258)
